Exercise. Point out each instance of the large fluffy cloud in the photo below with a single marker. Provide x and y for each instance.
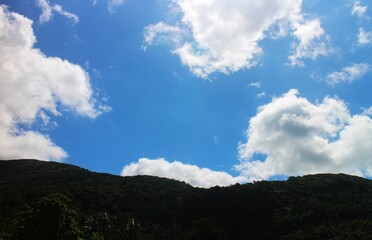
(289, 136)
(292, 136)
(34, 86)
(223, 37)
(199, 177)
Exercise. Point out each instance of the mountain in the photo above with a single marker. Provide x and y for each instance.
(322, 206)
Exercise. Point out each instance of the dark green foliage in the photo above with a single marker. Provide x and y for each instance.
(6, 236)
(50, 218)
(134, 230)
(204, 229)
(98, 226)
(323, 206)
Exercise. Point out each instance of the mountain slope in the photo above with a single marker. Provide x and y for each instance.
(25, 181)
(324, 206)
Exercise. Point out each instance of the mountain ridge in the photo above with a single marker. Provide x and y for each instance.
(320, 206)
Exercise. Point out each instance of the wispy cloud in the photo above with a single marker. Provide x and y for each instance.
(113, 4)
(161, 33)
(364, 38)
(255, 84)
(348, 74)
(261, 95)
(47, 12)
(358, 9)
(58, 8)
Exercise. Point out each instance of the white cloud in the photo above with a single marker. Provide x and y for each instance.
(34, 87)
(261, 95)
(113, 4)
(364, 37)
(348, 74)
(308, 31)
(60, 10)
(358, 9)
(255, 84)
(296, 137)
(367, 111)
(47, 12)
(224, 37)
(161, 33)
(312, 42)
(198, 177)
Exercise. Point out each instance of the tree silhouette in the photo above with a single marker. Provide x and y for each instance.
(134, 230)
(51, 218)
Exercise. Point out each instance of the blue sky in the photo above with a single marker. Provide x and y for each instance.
(211, 93)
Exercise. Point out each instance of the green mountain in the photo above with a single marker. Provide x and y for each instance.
(37, 196)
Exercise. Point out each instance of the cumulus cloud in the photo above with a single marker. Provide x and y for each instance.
(312, 42)
(113, 4)
(47, 12)
(364, 37)
(292, 136)
(32, 87)
(195, 176)
(358, 9)
(367, 111)
(348, 74)
(224, 37)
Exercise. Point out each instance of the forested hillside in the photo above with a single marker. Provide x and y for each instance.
(47, 200)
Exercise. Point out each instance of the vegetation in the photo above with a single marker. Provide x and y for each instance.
(46, 200)
(50, 218)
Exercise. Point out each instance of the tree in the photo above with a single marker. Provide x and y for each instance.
(204, 229)
(6, 236)
(134, 230)
(98, 226)
(51, 218)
